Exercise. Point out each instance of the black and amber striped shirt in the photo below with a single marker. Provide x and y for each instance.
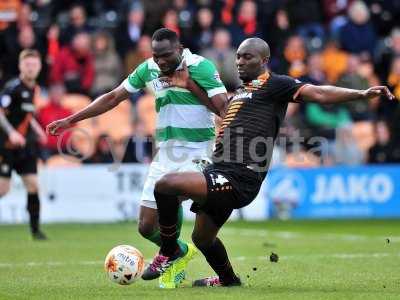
(253, 118)
(17, 102)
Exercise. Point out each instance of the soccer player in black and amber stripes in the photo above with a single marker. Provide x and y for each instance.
(240, 160)
(18, 135)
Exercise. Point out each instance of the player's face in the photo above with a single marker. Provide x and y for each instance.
(249, 63)
(166, 55)
(30, 67)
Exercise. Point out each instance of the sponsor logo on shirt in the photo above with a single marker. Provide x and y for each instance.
(217, 77)
(159, 85)
(25, 94)
(242, 96)
(5, 100)
(28, 107)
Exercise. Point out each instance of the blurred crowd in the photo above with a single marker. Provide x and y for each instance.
(88, 47)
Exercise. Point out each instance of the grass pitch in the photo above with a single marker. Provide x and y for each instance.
(317, 260)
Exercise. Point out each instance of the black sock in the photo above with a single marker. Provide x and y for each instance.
(218, 259)
(168, 207)
(33, 208)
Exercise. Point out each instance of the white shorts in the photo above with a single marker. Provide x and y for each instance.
(168, 160)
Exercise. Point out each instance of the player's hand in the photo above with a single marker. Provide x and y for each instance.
(376, 91)
(16, 139)
(179, 78)
(54, 127)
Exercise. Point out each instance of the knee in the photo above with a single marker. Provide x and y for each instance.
(4, 189)
(31, 186)
(168, 184)
(202, 240)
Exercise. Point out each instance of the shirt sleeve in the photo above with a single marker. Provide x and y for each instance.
(288, 89)
(206, 76)
(135, 81)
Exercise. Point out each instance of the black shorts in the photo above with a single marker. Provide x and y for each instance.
(23, 161)
(229, 186)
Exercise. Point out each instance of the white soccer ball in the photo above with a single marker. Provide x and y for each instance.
(124, 264)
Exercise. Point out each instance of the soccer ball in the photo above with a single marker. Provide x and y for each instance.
(124, 264)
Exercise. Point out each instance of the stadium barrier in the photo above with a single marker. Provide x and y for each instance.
(98, 193)
(334, 192)
(90, 193)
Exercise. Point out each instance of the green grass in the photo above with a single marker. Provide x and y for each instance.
(318, 260)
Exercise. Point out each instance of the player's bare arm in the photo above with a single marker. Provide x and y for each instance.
(181, 78)
(38, 130)
(327, 94)
(99, 106)
(14, 136)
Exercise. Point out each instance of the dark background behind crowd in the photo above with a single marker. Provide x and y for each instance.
(88, 47)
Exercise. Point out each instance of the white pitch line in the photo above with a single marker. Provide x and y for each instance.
(239, 258)
(295, 235)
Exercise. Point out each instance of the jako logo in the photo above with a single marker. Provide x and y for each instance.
(376, 188)
(286, 186)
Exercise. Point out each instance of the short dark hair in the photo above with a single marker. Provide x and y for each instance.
(28, 53)
(165, 34)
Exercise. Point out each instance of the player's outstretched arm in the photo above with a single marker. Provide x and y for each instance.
(99, 106)
(326, 94)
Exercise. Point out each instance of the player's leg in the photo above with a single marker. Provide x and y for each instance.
(33, 205)
(191, 185)
(148, 224)
(6, 165)
(149, 229)
(205, 238)
(4, 186)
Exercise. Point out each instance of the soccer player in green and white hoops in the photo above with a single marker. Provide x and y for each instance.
(185, 126)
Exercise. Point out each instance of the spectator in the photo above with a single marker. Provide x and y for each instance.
(388, 54)
(222, 54)
(102, 152)
(26, 39)
(204, 32)
(155, 11)
(186, 14)
(170, 21)
(78, 24)
(75, 66)
(52, 111)
(334, 61)
(315, 73)
(139, 148)
(17, 36)
(8, 12)
(323, 120)
(135, 58)
(358, 35)
(279, 34)
(359, 109)
(129, 33)
(335, 13)
(388, 108)
(306, 18)
(246, 25)
(294, 56)
(334, 8)
(346, 152)
(108, 68)
(381, 151)
(53, 44)
(384, 15)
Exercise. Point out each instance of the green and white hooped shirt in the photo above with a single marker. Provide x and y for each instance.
(181, 118)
